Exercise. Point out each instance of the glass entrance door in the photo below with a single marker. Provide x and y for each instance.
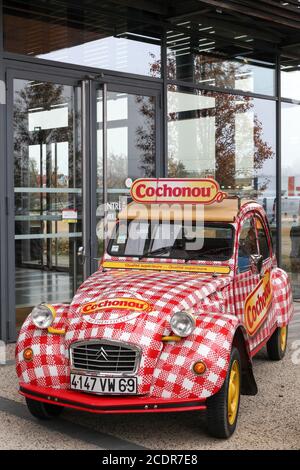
(47, 192)
(74, 148)
(126, 147)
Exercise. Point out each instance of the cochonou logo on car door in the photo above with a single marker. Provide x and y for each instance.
(257, 304)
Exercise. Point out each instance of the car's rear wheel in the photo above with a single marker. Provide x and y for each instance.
(42, 410)
(223, 407)
(276, 346)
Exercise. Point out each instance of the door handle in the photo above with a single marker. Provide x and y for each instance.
(81, 255)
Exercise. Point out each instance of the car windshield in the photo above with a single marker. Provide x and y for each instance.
(186, 241)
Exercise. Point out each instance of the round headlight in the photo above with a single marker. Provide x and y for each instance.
(43, 316)
(183, 323)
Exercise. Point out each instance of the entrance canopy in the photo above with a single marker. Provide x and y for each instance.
(234, 27)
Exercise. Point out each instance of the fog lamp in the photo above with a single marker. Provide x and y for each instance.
(28, 354)
(199, 367)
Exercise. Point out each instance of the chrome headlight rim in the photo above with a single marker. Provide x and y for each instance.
(183, 315)
(43, 316)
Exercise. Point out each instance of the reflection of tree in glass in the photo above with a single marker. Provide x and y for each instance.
(45, 158)
(116, 171)
(227, 111)
(145, 135)
(36, 97)
(176, 168)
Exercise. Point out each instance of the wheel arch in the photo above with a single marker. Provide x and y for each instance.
(282, 296)
(249, 386)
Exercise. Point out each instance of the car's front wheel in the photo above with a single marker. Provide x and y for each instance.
(276, 346)
(223, 407)
(42, 410)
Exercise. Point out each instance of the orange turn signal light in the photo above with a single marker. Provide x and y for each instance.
(199, 367)
(28, 354)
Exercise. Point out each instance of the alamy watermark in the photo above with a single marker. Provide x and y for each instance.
(177, 221)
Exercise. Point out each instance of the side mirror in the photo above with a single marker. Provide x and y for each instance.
(82, 256)
(257, 262)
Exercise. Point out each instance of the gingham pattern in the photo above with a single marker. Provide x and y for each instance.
(245, 283)
(49, 367)
(166, 292)
(282, 294)
(166, 369)
(210, 342)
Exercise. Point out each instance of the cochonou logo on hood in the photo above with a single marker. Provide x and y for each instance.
(116, 303)
(113, 309)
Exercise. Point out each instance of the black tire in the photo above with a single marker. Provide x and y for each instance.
(217, 416)
(276, 350)
(44, 411)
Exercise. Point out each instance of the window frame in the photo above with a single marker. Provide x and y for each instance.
(165, 256)
(251, 218)
(267, 234)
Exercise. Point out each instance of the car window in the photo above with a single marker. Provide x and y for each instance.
(247, 245)
(262, 239)
(176, 240)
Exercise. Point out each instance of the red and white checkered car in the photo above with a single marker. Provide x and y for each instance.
(166, 323)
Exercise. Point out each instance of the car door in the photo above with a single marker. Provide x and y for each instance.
(247, 279)
(268, 319)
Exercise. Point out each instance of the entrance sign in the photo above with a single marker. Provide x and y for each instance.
(69, 215)
(171, 190)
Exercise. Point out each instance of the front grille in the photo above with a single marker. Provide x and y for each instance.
(105, 357)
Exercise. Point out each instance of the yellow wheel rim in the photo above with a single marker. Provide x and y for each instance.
(233, 392)
(283, 338)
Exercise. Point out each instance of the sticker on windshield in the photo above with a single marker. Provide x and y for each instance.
(122, 238)
(115, 249)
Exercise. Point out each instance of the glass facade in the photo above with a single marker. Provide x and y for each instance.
(229, 137)
(130, 140)
(48, 192)
(161, 100)
(290, 190)
(80, 37)
(241, 73)
(290, 83)
(130, 149)
(201, 60)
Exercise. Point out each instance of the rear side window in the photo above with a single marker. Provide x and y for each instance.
(262, 239)
(247, 245)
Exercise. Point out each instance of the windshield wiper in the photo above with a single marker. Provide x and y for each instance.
(162, 249)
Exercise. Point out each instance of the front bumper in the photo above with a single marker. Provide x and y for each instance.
(107, 404)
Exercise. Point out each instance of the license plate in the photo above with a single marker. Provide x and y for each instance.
(104, 385)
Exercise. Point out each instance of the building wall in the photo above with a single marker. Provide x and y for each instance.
(172, 107)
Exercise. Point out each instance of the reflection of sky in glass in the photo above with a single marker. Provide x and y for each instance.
(290, 85)
(192, 140)
(62, 154)
(50, 119)
(123, 55)
(290, 142)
